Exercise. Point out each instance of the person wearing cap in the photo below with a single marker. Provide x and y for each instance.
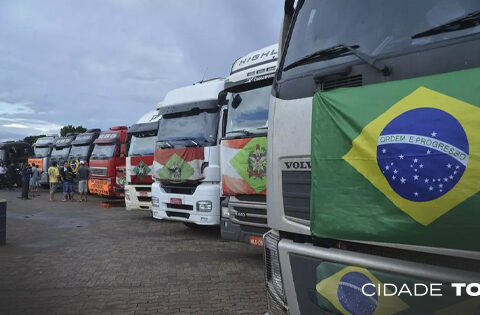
(83, 173)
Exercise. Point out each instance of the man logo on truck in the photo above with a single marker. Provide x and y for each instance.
(422, 153)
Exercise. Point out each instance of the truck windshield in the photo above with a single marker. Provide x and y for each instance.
(199, 126)
(41, 152)
(2, 155)
(103, 151)
(248, 111)
(375, 27)
(60, 152)
(79, 151)
(142, 145)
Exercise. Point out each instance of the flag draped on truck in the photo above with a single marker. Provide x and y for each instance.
(244, 166)
(399, 162)
(179, 165)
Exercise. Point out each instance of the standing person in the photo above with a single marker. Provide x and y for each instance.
(26, 174)
(11, 172)
(34, 179)
(53, 175)
(83, 173)
(67, 175)
(3, 172)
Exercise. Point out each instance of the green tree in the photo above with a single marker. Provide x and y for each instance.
(32, 139)
(71, 128)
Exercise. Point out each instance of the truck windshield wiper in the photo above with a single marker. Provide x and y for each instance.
(467, 21)
(168, 145)
(339, 50)
(243, 131)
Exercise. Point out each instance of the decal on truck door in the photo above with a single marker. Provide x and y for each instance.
(244, 166)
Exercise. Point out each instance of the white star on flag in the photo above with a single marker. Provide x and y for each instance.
(384, 150)
(416, 194)
(401, 156)
(426, 180)
(430, 188)
(403, 180)
(415, 160)
(457, 167)
(393, 177)
(449, 165)
(421, 165)
(395, 172)
(428, 151)
(451, 176)
(387, 167)
(415, 177)
(434, 134)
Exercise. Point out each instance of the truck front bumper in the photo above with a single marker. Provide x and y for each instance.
(242, 220)
(184, 208)
(137, 197)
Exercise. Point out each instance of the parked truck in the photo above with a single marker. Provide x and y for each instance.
(42, 150)
(108, 156)
(16, 153)
(139, 162)
(187, 155)
(374, 160)
(61, 149)
(243, 152)
(82, 148)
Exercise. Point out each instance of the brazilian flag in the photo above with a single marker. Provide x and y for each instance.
(343, 289)
(399, 162)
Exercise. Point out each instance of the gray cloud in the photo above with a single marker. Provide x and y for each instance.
(107, 62)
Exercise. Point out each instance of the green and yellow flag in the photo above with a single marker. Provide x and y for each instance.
(399, 162)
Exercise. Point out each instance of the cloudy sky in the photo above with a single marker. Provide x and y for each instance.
(100, 63)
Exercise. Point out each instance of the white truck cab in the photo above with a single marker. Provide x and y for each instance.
(186, 165)
(139, 162)
(244, 144)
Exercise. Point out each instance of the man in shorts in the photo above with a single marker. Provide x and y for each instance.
(67, 175)
(83, 173)
(53, 175)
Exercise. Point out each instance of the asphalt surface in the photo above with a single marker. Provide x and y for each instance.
(82, 258)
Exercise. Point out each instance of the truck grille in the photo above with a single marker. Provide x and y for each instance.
(178, 214)
(296, 194)
(98, 171)
(184, 189)
(273, 275)
(249, 216)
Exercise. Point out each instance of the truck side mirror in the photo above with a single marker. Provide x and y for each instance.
(236, 101)
(222, 98)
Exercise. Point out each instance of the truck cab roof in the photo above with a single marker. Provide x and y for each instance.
(87, 137)
(45, 141)
(256, 66)
(201, 95)
(62, 142)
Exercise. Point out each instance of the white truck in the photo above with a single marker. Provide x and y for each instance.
(139, 162)
(42, 150)
(373, 159)
(187, 155)
(244, 144)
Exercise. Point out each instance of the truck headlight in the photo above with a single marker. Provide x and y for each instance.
(225, 212)
(204, 206)
(273, 275)
(127, 195)
(155, 202)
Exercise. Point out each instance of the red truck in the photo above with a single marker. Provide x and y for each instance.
(107, 161)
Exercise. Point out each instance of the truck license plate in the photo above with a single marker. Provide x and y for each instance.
(256, 241)
(143, 194)
(176, 201)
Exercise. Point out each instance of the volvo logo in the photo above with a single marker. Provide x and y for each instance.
(302, 164)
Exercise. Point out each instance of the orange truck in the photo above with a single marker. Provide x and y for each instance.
(107, 161)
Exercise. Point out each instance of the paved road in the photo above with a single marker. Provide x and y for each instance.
(77, 258)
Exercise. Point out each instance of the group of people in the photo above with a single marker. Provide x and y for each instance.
(64, 175)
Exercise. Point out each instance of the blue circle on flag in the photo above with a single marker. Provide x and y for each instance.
(423, 153)
(351, 297)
